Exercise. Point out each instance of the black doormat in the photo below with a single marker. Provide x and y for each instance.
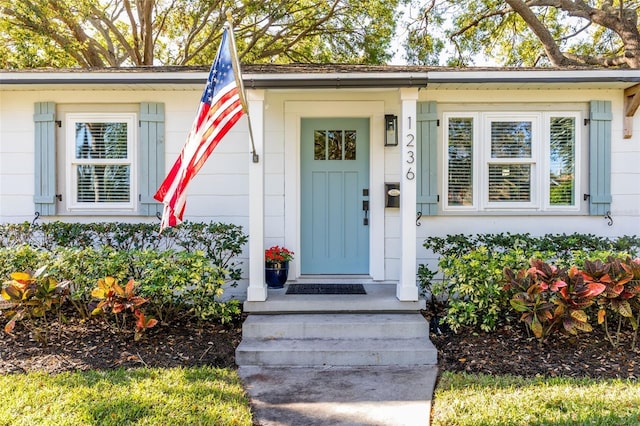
(325, 289)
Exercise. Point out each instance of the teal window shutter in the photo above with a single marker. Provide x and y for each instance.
(427, 184)
(599, 157)
(44, 196)
(151, 156)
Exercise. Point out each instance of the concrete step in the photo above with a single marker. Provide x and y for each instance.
(336, 326)
(336, 352)
(304, 340)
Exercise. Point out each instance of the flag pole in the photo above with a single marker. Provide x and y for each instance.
(236, 68)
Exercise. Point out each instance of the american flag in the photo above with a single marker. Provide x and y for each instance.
(220, 108)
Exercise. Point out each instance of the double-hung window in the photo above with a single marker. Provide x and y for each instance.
(101, 156)
(512, 161)
(101, 159)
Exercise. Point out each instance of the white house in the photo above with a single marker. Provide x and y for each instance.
(468, 150)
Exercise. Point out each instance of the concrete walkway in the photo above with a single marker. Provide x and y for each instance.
(366, 395)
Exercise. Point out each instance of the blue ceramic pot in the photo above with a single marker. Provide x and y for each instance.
(275, 274)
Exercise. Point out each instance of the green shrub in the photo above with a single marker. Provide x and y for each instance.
(172, 280)
(16, 234)
(176, 281)
(83, 267)
(218, 240)
(471, 268)
(184, 270)
(22, 258)
(221, 243)
(474, 286)
(163, 278)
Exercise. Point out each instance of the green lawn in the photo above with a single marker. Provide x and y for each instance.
(211, 396)
(466, 399)
(177, 396)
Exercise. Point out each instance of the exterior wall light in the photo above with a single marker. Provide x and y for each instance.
(391, 130)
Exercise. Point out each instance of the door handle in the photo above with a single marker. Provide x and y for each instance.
(365, 208)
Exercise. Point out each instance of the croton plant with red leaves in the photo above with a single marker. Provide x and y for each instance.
(551, 298)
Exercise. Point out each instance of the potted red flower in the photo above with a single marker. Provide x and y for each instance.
(276, 269)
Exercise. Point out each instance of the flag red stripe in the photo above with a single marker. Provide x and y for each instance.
(177, 196)
(215, 116)
(219, 110)
(183, 165)
(189, 170)
(215, 134)
(189, 174)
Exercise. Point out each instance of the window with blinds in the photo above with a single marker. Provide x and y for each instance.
(511, 139)
(460, 161)
(519, 160)
(509, 182)
(101, 156)
(562, 161)
(511, 144)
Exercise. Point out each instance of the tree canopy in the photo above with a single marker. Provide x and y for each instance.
(557, 33)
(116, 33)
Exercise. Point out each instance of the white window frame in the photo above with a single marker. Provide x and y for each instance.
(540, 161)
(475, 146)
(536, 140)
(547, 206)
(71, 162)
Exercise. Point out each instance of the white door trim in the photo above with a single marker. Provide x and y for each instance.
(294, 111)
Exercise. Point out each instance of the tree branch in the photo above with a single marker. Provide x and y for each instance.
(305, 32)
(548, 42)
(479, 19)
(109, 22)
(575, 33)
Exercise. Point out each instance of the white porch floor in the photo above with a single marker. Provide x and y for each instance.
(380, 297)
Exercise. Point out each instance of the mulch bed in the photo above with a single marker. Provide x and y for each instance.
(94, 345)
(509, 350)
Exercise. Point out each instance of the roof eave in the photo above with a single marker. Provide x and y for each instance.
(533, 76)
(57, 78)
(251, 80)
(310, 80)
(334, 80)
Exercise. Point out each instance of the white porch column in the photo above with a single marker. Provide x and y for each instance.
(407, 289)
(257, 290)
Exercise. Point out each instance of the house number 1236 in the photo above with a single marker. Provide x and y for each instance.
(411, 157)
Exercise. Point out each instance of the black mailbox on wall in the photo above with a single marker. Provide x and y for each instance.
(392, 194)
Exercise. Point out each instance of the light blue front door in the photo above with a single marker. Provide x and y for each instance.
(335, 184)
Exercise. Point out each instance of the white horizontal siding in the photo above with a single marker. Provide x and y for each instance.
(16, 208)
(220, 191)
(17, 184)
(625, 179)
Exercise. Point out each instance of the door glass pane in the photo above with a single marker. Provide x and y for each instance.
(102, 183)
(319, 145)
(511, 139)
(562, 160)
(460, 162)
(101, 140)
(350, 145)
(509, 182)
(335, 144)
